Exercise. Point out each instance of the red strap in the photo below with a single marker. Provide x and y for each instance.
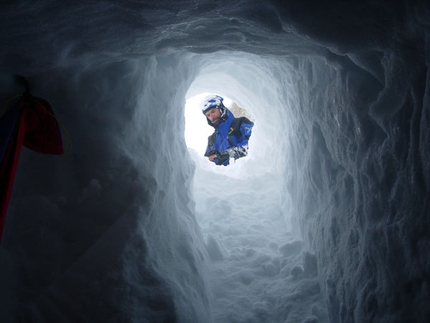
(37, 130)
(8, 168)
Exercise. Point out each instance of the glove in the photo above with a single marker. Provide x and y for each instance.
(222, 157)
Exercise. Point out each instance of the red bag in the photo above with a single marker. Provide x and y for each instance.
(36, 128)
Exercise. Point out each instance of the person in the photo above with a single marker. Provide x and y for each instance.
(231, 135)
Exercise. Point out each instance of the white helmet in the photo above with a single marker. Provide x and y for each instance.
(212, 101)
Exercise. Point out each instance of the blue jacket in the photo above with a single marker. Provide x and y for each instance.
(230, 139)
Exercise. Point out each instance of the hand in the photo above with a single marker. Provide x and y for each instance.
(212, 157)
(222, 157)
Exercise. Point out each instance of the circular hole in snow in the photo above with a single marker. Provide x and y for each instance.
(197, 130)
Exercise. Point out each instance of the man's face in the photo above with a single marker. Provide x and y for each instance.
(213, 115)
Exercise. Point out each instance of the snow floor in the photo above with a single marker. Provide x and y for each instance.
(258, 272)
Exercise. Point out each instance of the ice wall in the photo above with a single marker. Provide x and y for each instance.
(361, 165)
(108, 232)
(362, 201)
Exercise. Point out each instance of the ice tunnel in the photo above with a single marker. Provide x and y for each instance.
(326, 220)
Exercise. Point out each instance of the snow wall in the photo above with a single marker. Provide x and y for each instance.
(108, 233)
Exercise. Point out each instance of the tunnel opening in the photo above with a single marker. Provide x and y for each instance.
(255, 255)
(197, 131)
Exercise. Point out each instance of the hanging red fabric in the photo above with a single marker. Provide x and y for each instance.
(36, 129)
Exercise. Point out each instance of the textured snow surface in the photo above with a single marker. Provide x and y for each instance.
(326, 220)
